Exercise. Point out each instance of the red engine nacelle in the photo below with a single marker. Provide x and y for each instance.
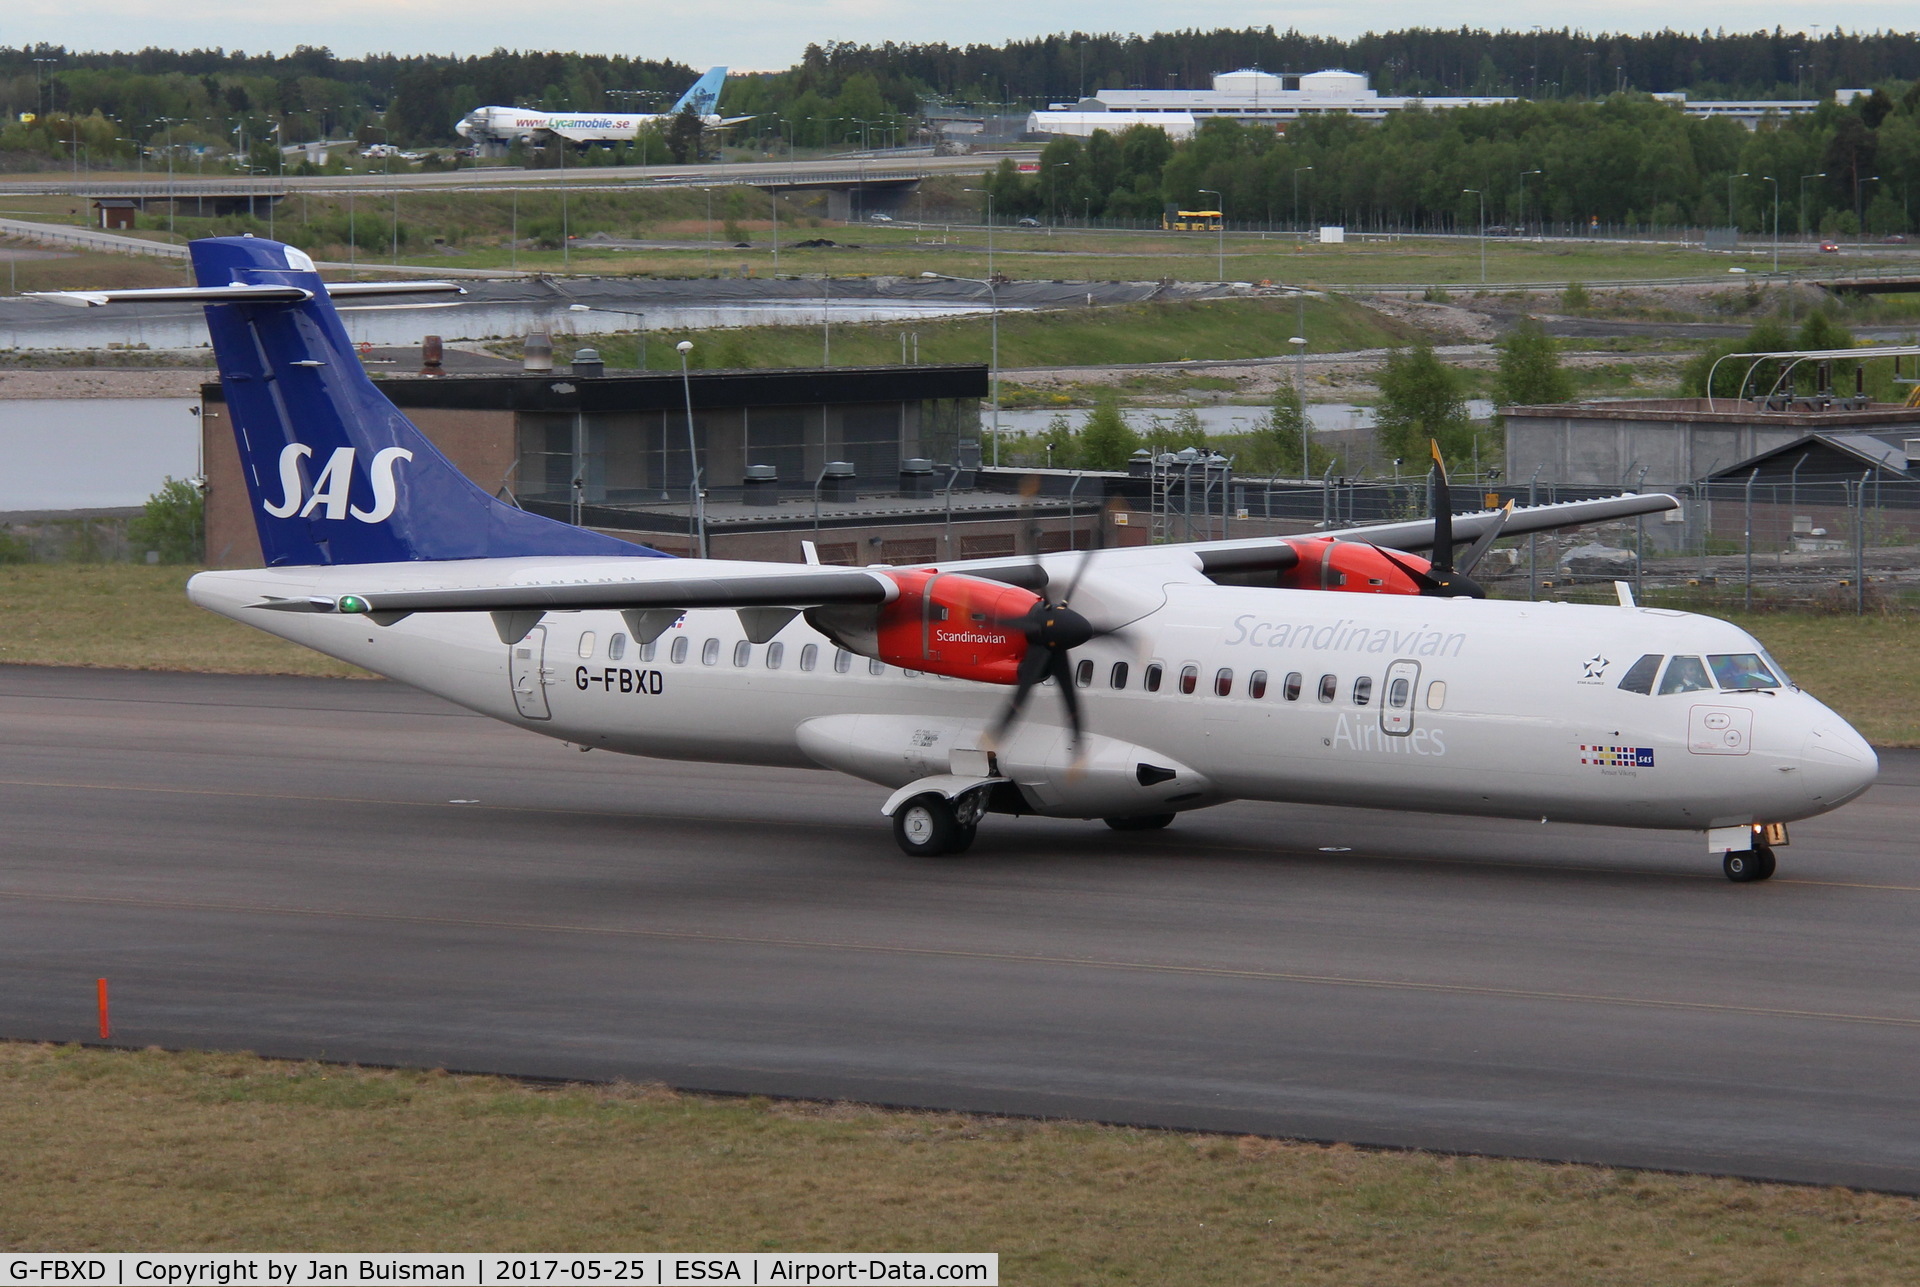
(944, 623)
(1350, 566)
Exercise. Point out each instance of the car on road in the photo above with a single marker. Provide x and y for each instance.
(1894, 239)
(1829, 247)
(877, 217)
(1026, 221)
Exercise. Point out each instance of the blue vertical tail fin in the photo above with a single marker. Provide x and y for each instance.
(334, 472)
(705, 94)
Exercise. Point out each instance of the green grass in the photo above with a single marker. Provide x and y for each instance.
(131, 616)
(1212, 330)
(150, 1151)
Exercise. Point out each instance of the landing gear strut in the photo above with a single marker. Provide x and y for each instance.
(931, 826)
(1753, 864)
(1148, 822)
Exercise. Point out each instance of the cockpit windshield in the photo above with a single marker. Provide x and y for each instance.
(1742, 671)
(1685, 675)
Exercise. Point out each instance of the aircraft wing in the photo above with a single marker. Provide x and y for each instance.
(804, 587)
(1266, 553)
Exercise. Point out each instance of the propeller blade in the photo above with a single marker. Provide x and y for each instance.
(1426, 582)
(1061, 671)
(1478, 550)
(1086, 561)
(1442, 513)
(1033, 669)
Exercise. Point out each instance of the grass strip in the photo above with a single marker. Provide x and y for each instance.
(152, 1150)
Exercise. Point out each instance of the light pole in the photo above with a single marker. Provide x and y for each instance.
(1483, 231)
(1053, 192)
(1298, 171)
(696, 508)
(993, 297)
(989, 196)
(1776, 219)
(641, 330)
(1803, 200)
(1859, 210)
(1730, 180)
(1299, 343)
(1220, 227)
(1523, 195)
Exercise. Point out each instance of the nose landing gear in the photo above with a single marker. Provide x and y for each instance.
(1752, 864)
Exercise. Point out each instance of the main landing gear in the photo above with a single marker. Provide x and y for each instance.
(932, 826)
(1752, 864)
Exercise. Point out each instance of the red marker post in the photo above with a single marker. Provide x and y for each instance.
(106, 1028)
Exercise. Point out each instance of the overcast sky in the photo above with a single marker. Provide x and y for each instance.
(770, 34)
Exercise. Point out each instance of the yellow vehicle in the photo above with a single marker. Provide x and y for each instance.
(1191, 221)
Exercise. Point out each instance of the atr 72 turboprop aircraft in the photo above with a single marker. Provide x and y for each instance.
(1330, 669)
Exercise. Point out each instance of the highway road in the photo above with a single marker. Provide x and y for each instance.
(356, 871)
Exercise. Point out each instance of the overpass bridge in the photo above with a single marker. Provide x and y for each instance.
(868, 183)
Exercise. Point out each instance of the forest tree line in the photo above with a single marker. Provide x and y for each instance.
(1630, 160)
(839, 88)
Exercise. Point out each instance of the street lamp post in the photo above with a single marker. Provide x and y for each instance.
(1803, 200)
(696, 508)
(989, 196)
(1523, 195)
(1220, 228)
(1298, 171)
(1730, 181)
(1053, 192)
(1299, 343)
(1776, 220)
(993, 298)
(1483, 231)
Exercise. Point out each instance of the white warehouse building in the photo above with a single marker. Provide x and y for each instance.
(1257, 97)
(1246, 95)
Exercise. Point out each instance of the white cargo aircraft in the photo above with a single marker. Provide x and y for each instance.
(519, 124)
(1352, 673)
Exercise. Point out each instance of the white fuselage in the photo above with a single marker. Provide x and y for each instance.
(1515, 709)
(519, 124)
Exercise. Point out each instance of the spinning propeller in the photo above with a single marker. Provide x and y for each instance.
(1441, 578)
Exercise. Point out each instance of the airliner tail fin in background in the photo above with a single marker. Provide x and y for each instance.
(334, 472)
(705, 94)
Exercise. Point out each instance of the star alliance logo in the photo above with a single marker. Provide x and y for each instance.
(1596, 668)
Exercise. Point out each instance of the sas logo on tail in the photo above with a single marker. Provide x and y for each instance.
(329, 497)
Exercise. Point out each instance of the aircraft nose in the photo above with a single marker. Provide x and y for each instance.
(1838, 761)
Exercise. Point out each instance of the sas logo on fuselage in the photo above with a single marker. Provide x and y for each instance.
(329, 497)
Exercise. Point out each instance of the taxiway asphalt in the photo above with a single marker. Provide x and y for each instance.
(356, 871)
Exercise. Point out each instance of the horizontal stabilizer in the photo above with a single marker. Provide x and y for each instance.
(238, 293)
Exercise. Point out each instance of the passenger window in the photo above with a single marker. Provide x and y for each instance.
(710, 653)
(616, 647)
(1189, 679)
(1083, 675)
(1118, 679)
(1741, 672)
(842, 661)
(1437, 695)
(679, 650)
(776, 653)
(1362, 690)
(1329, 687)
(1257, 684)
(1399, 694)
(649, 649)
(1685, 675)
(875, 666)
(742, 652)
(586, 644)
(1223, 683)
(1639, 676)
(1150, 679)
(1290, 688)
(809, 656)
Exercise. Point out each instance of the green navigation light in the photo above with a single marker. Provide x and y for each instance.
(353, 603)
